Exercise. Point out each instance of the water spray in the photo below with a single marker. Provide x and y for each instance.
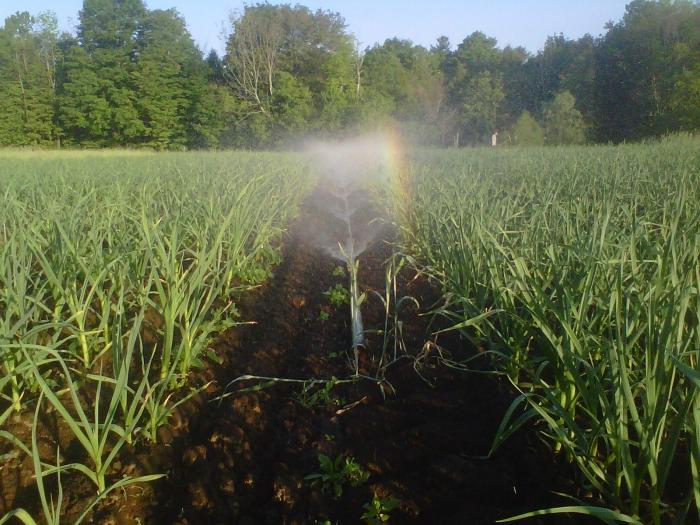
(343, 167)
(350, 256)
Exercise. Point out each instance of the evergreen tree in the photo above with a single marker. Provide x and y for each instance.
(83, 114)
(338, 96)
(291, 70)
(215, 67)
(563, 65)
(515, 85)
(134, 77)
(411, 81)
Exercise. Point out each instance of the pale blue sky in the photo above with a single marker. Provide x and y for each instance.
(514, 22)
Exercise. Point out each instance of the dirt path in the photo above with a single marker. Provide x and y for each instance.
(244, 460)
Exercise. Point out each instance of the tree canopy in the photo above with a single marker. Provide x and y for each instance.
(131, 76)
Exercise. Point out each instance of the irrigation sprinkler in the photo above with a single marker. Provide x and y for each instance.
(344, 168)
(349, 255)
(358, 334)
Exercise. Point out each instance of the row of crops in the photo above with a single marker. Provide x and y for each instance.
(116, 271)
(578, 270)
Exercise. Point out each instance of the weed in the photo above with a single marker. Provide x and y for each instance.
(336, 473)
(314, 394)
(338, 295)
(377, 511)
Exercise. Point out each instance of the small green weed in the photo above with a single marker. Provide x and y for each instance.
(377, 511)
(336, 473)
(312, 395)
(338, 295)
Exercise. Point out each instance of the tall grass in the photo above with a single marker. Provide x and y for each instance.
(116, 271)
(587, 260)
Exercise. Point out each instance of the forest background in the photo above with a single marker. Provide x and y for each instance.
(134, 77)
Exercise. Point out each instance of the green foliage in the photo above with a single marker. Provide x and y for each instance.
(527, 131)
(586, 296)
(478, 53)
(563, 123)
(140, 81)
(336, 473)
(101, 433)
(562, 65)
(28, 57)
(374, 109)
(291, 68)
(685, 100)
(110, 24)
(378, 511)
(314, 394)
(475, 88)
(338, 90)
(291, 104)
(338, 295)
(82, 113)
(133, 77)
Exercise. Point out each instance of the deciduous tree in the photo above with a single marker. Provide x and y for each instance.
(563, 123)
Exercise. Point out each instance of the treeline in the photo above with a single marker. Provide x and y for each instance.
(134, 77)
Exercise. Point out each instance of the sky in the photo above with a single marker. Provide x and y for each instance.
(524, 23)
